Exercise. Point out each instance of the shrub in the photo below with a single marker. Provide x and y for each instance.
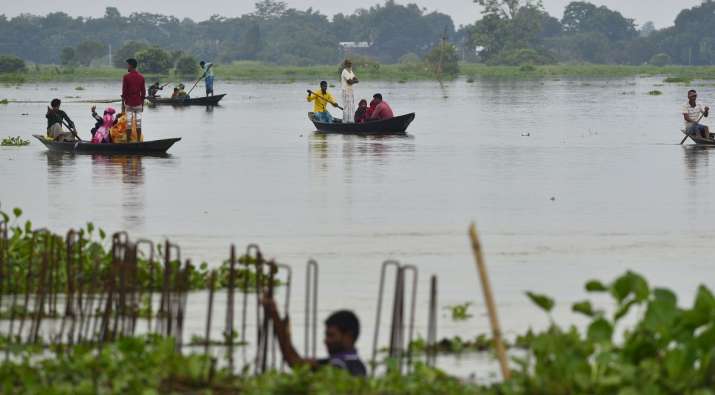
(154, 60)
(128, 50)
(660, 59)
(11, 64)
(187, 66)
(522, 56)
(443, 61)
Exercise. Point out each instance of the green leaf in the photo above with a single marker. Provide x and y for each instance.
(600, 331)
(17, 211)
(102, 235)
(704, 307)
(596, 286)
(662, 311)
(584, 308)
(544, 302)
(90, 227)
(623, 310)
(28, 226)
(630, 284)
(5, 217)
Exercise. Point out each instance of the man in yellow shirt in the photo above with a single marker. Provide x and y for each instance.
(321, 100)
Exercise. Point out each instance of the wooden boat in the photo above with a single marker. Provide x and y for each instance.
(156, 147)
(393, 126)
(699, 140)
(193, 101)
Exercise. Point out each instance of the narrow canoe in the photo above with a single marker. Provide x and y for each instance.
(194, 101)
(393, 126)
(155, 147)
(700, 140)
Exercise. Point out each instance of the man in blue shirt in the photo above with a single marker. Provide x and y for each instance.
(207, 68)
(342, 329)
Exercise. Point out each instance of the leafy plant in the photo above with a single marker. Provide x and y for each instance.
(460, 312)
(14, 142)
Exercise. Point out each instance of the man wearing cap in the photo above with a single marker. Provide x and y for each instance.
(133, 95)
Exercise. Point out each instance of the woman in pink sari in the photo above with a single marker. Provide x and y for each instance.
(102, 134)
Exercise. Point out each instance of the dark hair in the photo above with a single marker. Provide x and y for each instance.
(377, 96)
(323, 82)
(55, 102)
(692, 91)
(346, 321)
(202, 63)
(362, 101)
(132, 62)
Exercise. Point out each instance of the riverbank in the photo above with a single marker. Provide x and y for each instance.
(260, 72)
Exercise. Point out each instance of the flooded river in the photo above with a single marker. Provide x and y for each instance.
(567, 180)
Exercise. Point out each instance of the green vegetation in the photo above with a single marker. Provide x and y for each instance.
(668, 350)
(14, 142)
(11, 64)
(460, 312)
(154, 60)
(678, 80)
(187, 66)
(4, 101)
(96, 259)
(655, 93)
(410, 70)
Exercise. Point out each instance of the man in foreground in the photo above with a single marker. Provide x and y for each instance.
(693, 113)
(382, 109)
(133, 95)
(208, 71)
(342, 329)
(55, 120)
(321, 100)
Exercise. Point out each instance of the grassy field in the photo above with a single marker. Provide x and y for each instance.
(256, 71)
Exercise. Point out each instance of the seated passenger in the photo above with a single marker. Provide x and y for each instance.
(382, 109)
(55, 118)
(175, 94)
(101, 135)
(361, 112)
(321, 100)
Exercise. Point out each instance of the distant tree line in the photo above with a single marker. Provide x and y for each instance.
(512, 32)
(521, 31)
(272, 33)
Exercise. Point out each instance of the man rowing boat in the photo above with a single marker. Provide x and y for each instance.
(693, 113)
(321, 100)
(56, 118)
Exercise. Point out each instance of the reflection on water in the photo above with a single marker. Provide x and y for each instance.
(697, 159)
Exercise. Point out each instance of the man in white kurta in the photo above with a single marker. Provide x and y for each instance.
(347, 80)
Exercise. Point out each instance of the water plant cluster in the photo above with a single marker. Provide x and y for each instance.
(14, 142)
(26, 245)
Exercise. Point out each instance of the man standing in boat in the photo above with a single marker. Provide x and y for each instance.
(693, 113)
(321, 100)
(207, 68)
(133, 95)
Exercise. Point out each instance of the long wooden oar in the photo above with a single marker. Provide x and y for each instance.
(324, 99)
(72, 130)
(196, 83)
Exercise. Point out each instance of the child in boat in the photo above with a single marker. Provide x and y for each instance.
(101, 133)
(371, 109)
(118, 132)
(361, 112)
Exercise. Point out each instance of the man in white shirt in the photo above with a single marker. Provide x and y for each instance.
(693, 113)
(347, 80)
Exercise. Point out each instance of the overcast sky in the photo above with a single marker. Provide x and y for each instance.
(661, 12)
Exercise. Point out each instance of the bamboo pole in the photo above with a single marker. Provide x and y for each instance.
(489, 300)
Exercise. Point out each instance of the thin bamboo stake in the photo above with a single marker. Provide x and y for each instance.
(489, 299)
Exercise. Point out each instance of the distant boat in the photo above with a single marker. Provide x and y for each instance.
(193, 101)
(392, 126)
(155, 147)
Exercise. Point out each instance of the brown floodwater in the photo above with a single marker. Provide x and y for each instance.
(567, 180)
